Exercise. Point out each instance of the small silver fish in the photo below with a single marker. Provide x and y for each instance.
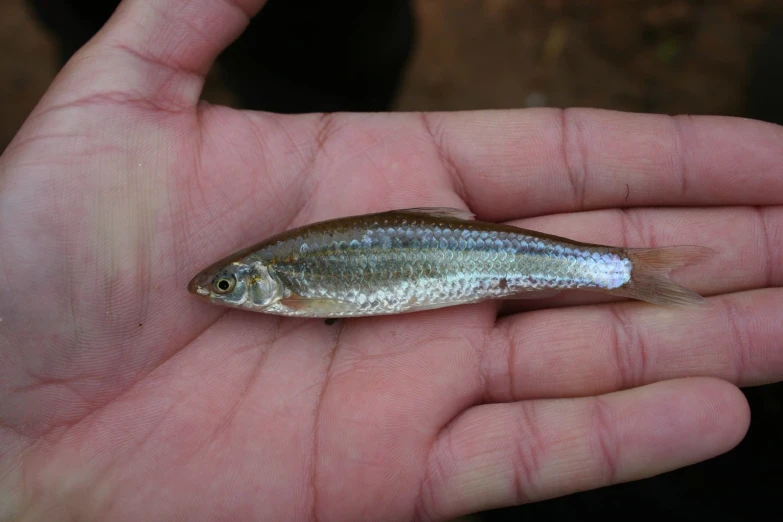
(426, 258)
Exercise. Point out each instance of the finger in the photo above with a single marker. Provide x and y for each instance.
(155, 51)
(515, 164)
(506, 454)
(745, 241)
(598, 349)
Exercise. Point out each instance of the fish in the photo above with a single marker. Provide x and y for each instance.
(425, 258)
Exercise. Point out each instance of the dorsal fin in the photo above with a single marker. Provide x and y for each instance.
(441, 212)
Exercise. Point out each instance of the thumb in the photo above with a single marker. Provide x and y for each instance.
(153, 53)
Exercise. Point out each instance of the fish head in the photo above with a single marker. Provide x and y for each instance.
(238, 284)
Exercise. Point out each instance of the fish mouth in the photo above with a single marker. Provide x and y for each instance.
(193, 285)
(197, 285)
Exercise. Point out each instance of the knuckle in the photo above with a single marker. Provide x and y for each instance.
(529, 453)
(605, 449)
(628, 349)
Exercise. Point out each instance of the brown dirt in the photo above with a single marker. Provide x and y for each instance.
(668, 56)
(27, 66)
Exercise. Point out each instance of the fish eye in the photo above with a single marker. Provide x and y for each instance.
(224, 284)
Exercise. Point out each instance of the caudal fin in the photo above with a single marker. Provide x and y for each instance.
(649, 275)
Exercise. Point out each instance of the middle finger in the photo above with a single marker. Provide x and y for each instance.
(591, 350)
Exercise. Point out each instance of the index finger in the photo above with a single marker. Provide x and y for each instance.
(515, 164)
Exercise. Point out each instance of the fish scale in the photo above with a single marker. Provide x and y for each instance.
(395, 264)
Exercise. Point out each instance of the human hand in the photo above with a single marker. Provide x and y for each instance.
(125, 398)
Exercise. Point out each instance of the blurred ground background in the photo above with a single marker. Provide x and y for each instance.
(669, 56)
(666, 56)
(643, 55)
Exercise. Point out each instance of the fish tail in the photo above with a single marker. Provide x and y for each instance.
(649, 275)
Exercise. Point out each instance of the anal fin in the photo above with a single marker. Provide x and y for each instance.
(532, 294)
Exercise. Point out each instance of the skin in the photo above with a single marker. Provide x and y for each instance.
(124, 397)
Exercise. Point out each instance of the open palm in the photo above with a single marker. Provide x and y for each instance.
(125, 398)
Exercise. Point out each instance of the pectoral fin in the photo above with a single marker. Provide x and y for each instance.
(319, 305)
